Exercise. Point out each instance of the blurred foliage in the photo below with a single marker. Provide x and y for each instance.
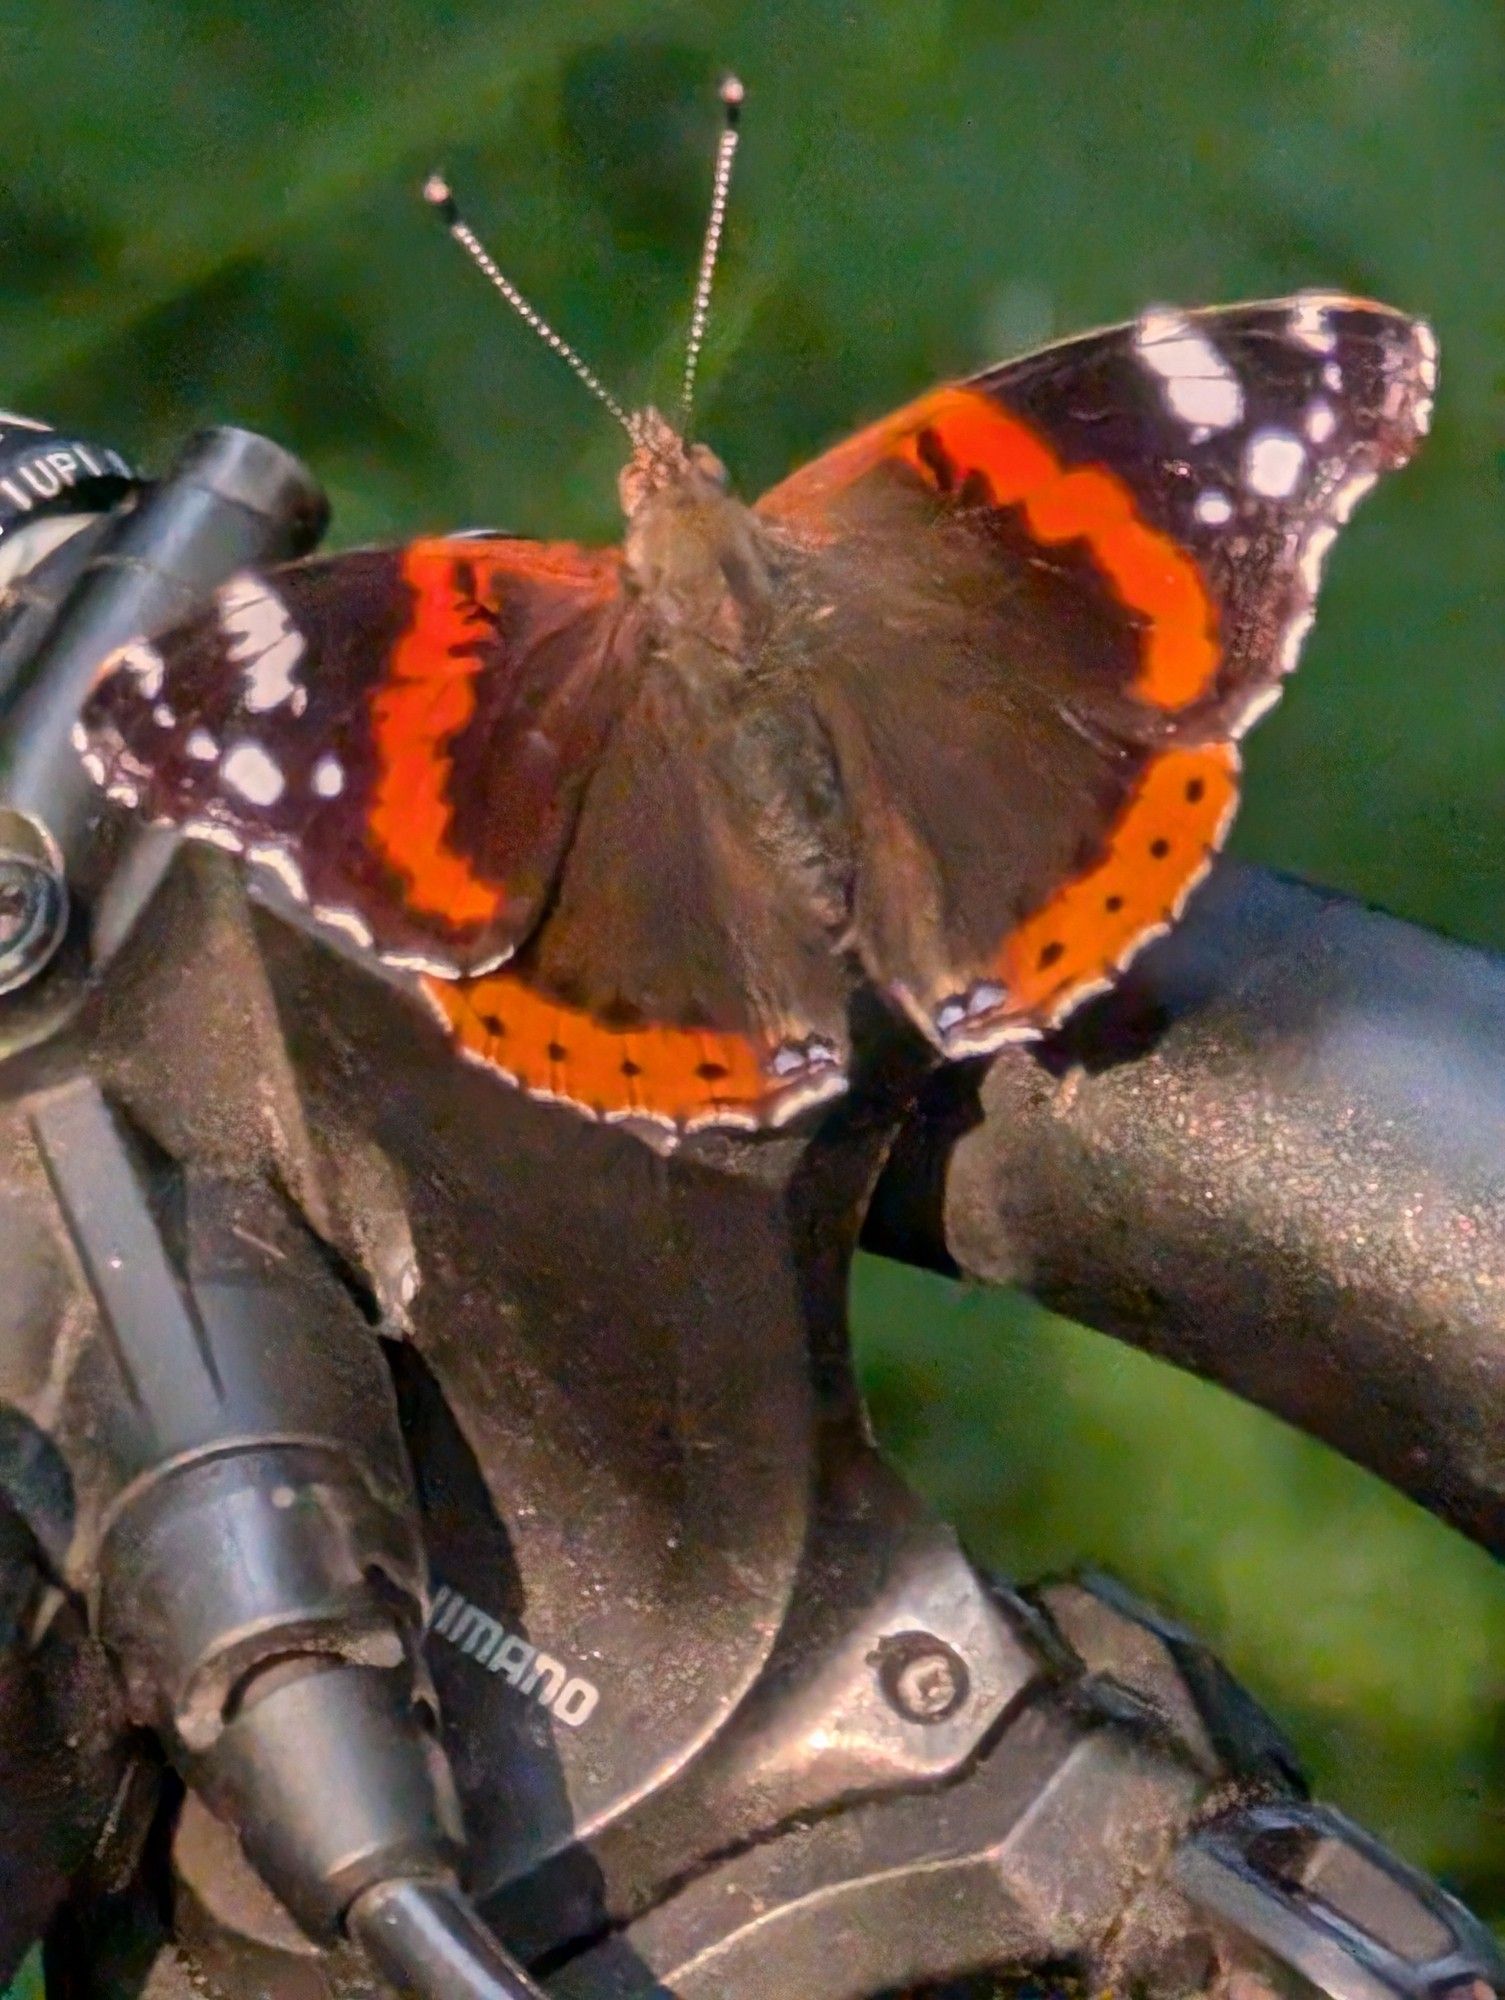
(209, 214)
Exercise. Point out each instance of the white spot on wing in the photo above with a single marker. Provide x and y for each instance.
(1273, 462)
(248, 770)
(328, 777)
(1077, 996)
(1426, 368)
(1226, 818)
(1320, 421)
(202, 746)
(346, 921)
(216, 835)
(1200, 387)
(163, 716)
(144, 663)
(1310, 323)
(794, 1058)
(422, 961)
(1332, 377)
(1259, 704)
(1294, 639)
(724, 1118)
(823, 1082)
(1400, 399)
(1213, 507)
(981, 1035)
(260, 638)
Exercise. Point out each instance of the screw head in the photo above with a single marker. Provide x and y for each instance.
(923, 1679)
(33, 909)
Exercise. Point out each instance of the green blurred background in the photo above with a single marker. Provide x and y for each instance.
(209, 213)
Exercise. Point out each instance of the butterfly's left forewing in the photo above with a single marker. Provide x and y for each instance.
(1039, 608)
(401, 736)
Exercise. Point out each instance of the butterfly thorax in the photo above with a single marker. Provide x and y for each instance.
(695, 554)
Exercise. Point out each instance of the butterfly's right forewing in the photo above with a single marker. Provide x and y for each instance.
(1040, 608)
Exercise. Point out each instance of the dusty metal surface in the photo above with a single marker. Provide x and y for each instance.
(1276, 1156)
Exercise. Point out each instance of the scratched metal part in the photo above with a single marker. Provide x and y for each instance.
(1276, 1156)
(626, 1395)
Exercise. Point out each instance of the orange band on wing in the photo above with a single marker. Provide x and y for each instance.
(681, 1077)
(1158, 851)
(427, 699)
(1150, 574)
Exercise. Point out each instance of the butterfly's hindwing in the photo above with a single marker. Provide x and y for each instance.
(677, 980)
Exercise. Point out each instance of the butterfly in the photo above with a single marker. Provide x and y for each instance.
(952, 712)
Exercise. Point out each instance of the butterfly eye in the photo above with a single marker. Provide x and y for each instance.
(705, 461)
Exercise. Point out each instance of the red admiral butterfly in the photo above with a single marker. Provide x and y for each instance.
(953, 711)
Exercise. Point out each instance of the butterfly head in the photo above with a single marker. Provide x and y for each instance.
(663, 461)
(692, 549)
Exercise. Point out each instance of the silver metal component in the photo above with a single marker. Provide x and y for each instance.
(33, 899)
(232, 500)
(1324, 1900)
(922, 1677)
(932, 1644)
(429, 1941)
(23, 548)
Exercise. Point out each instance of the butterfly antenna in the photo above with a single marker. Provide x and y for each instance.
(732, 94)
(437, 193)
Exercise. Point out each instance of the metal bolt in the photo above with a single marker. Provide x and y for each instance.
(921, 1676)
(33, 910)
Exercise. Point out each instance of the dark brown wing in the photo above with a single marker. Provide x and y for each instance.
(443, 749)
(681, 977)
(1036, 611)
(402, 735)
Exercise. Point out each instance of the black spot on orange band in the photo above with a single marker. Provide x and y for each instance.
(1155, 852)
(676, 1077)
